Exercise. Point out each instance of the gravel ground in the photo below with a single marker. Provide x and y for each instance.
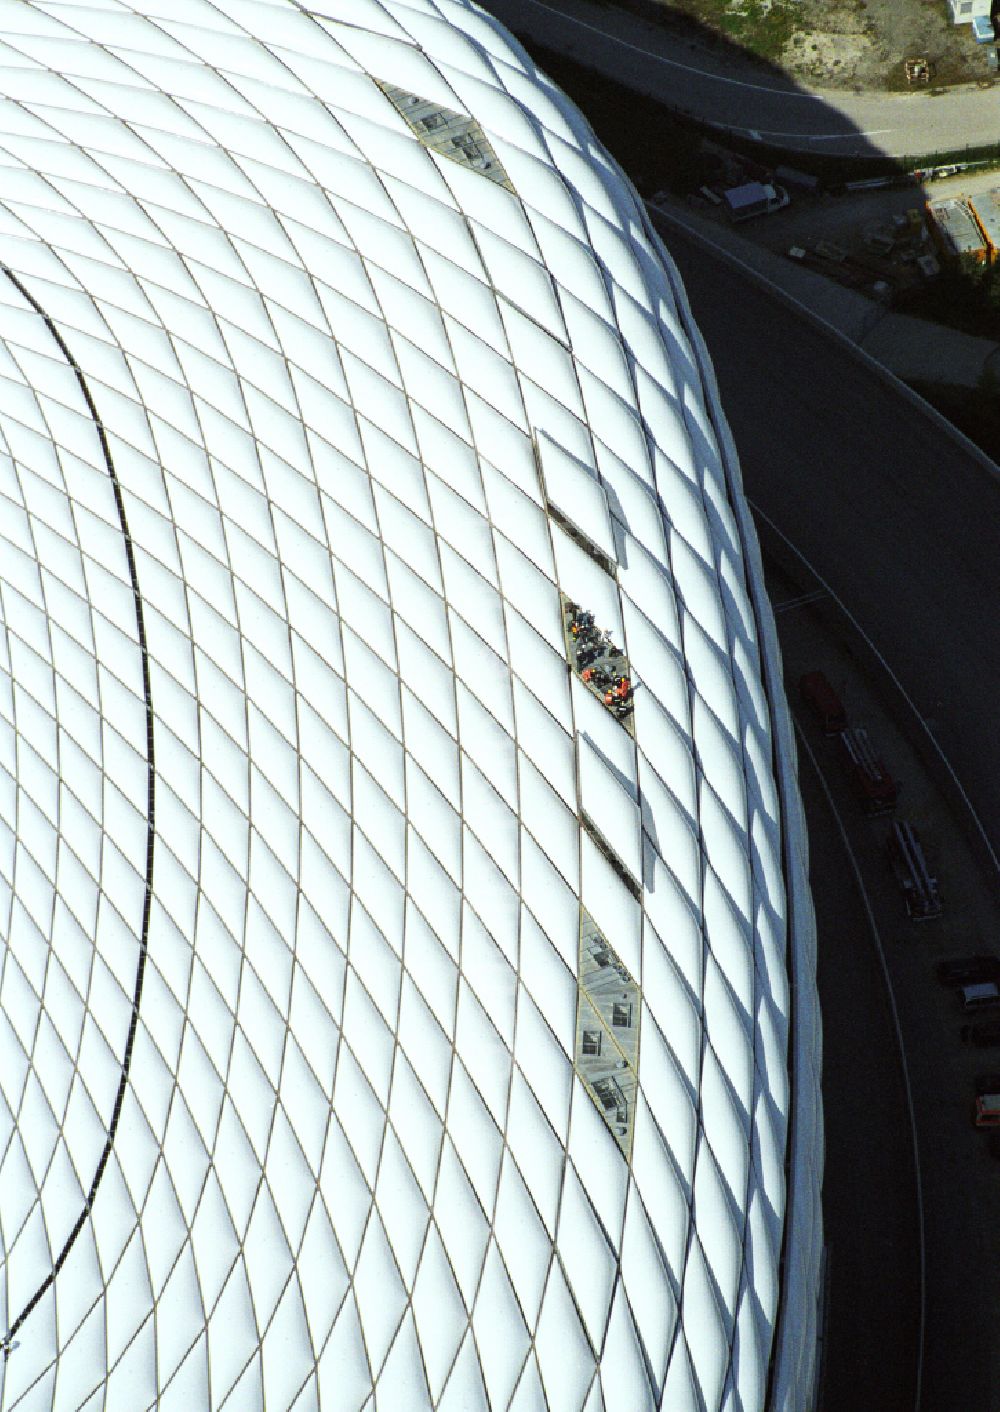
(862, 43)
(847, 44)
(812, 218)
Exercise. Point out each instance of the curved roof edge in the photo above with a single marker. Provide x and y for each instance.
(794, 1349)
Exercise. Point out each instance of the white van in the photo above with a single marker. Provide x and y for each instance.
(754, 198)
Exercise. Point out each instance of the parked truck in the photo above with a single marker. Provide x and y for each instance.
(872, 782)
(909, 863)
(754, 198)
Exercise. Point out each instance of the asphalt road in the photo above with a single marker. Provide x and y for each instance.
(904, 524)
(901, 521)
(869, 1190)
(718, 87)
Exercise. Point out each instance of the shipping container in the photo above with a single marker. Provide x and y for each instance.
(986, 209)
(954, 228)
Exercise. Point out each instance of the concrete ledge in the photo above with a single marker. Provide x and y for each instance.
(895, 346)
(909, 348)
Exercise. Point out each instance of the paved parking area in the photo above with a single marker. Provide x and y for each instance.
(898, 1081)
(911, 348)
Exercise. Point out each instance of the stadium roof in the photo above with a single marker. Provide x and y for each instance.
(399, 855)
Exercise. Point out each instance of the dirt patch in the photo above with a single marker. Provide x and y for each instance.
(827, 57)
(859, 44)
(863, 43)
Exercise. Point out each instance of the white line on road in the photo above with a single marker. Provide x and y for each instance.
(852, 133)
(799, 602)
(607, 36)
(758, 134)
(876, 937)
(848, 136)
(835, 136)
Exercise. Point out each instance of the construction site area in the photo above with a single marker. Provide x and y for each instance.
(883, 240)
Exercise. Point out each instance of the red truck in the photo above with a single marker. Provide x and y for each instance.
(823, 702)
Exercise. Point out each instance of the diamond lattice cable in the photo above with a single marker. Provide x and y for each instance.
(143, 929)
(477, 1059)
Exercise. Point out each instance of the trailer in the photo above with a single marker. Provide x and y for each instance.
(791, 176)
(963, 12)
(872, 782)
(909, 864)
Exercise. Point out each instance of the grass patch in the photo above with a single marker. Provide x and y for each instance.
(760, 28)
(763, 27)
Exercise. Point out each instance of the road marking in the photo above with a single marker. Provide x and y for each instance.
(835, 136)
(607, 36)
(759, 133)
(799, 602)
(849, 137)
(804, 744)
(852, 133)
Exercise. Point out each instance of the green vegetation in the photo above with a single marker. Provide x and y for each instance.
(965, 296)
(763, 27)
(759, 27)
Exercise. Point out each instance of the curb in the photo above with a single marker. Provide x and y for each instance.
(839, 618)
(888, 377)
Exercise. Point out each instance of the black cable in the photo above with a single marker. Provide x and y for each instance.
(60, 1260)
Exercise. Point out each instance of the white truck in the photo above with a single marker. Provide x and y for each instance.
(754, 198)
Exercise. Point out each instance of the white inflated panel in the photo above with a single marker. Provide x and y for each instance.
(314, 412)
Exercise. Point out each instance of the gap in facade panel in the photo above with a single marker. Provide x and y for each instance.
(607, 1031)
(453, 135)
(598, 661)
